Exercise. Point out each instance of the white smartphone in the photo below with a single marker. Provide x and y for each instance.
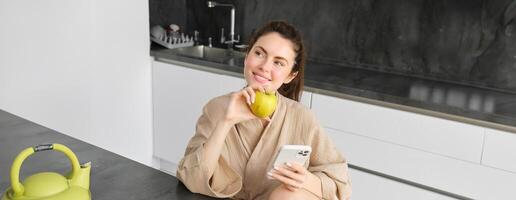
(292, 154)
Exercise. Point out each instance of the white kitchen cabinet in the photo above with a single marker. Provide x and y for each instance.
(179, 94)
(306, 99)
(426, 133)
(369, 186)
(500, 150)
(456, 176)
(230, 84)
(431, 151)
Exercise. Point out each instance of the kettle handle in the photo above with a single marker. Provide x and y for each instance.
(15, 168)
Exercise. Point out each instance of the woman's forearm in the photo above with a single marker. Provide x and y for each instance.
(313, 184)
(214, 144)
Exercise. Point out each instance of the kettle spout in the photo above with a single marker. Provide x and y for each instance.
(83, 177)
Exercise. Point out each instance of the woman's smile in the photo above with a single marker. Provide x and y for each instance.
(260, 78)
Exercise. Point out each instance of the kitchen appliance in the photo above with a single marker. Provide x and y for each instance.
(50, 185)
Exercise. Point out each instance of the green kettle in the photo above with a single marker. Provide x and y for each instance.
(50, 185)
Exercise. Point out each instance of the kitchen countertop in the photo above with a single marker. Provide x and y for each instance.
(112, 176)
(455, 101)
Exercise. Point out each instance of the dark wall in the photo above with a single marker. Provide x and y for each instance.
(166, 12)
(209, 21)
(468, 41)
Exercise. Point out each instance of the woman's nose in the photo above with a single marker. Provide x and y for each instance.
(266, 66)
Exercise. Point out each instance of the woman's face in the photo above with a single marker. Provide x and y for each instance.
(270, 61)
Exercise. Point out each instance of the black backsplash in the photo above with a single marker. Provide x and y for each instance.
(166, 12)
(465, 41)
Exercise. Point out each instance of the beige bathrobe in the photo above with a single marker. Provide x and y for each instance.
(241, 172)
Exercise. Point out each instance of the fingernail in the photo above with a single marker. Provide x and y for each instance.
(288, 164)
(269, 173)
(276, 167)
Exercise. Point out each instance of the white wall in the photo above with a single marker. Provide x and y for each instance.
(82, 68)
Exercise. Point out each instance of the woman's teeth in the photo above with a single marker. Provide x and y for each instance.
(260, 78)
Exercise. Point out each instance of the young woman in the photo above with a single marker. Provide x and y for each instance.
(230, 152)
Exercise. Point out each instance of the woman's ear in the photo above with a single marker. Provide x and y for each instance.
(290, 77)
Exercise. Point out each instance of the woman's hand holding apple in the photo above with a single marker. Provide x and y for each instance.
(238, 109)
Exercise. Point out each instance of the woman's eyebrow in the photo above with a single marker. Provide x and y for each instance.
(281, 58)
(261, 48)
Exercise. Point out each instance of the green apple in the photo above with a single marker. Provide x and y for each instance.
(264, 104)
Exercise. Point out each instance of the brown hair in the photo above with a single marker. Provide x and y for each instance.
(293, 89)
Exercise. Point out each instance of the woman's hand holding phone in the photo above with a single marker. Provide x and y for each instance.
(292, 175)
(288, 166)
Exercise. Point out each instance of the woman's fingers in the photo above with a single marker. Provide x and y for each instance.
(248, 98)
(260, 88)
(296, 167)
(293, 176)
(291, 188)
(291, 173)
(249, 91)
(285, 180)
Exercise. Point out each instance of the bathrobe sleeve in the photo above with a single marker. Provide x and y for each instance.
(224, 181)
(328, 164)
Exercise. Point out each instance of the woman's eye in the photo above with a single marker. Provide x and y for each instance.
(258, 53)
(279, 63)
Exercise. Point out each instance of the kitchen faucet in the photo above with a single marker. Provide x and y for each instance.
(232, 39)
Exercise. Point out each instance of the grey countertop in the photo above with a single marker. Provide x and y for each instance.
(112, 176)
(455, 101)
